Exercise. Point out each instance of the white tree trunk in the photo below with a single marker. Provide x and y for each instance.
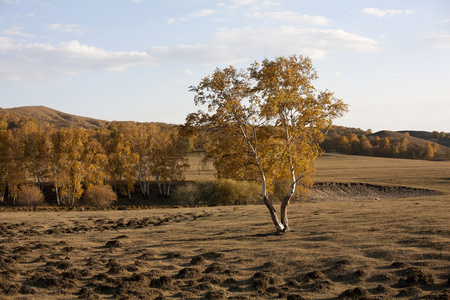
(269, 205)
(58, 198)
(284, 205)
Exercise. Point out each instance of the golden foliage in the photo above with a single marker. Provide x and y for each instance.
(265, 122)
(100, 196)
(30, 195)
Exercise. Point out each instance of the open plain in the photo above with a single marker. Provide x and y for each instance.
(341, 247)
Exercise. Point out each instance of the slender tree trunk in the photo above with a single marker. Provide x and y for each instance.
(287, 198)
(284, 205)
(273, 213)
(159, 185)
(142, 185)
(58, 198)
(168, 188)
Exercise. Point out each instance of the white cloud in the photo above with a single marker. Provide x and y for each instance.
(271, 3)
(17, 31)
(69, 28)
(243, 2)
(12, 1)
(283, 40)
(385, 13)
(290, 17)
(231, 46)
(189, 72)
(6, 44)
(236, 4)
(439, 41)
(198, 14)
(35, 60)
(202, 13)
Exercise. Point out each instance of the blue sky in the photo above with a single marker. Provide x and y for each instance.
(135, 59)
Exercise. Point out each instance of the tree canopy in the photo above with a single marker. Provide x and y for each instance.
(76, 160)
(265, 123)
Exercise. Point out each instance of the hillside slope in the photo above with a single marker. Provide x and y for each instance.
(427, 135)
(396, 136)
(56, 118)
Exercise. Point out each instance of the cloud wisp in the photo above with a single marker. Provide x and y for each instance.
(290, 17)
(198, 14)
(230, 46)
(68, 28)
(385, 13)
(439, 41)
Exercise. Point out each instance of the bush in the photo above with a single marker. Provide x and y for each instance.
(281, 188)
(218, 192)
(188, 194)
(30, 195)
(100, 196)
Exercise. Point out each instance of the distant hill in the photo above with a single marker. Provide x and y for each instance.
(55, 118)
(397, 136)
(420, 138)
(414, 137)
(427, 135)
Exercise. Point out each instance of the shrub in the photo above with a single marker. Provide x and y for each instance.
(282, 186)
(229, 192)
(218, 192)
(30, 195)
(188, 194)
(100, 196)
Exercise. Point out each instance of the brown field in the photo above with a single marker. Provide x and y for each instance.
(339, 249)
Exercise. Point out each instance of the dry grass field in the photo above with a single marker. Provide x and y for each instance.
(351, 248)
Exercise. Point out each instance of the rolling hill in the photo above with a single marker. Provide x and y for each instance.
(426, 135)
(55, 118)
(421, 138)
(60, 119)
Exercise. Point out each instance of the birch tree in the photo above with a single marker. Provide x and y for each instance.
(122, 161)
(15, 164)
(265, 123)
(169, 157)
(12, 165)
(67, 168)
(36, 148)
(95, 161)
(143, 138)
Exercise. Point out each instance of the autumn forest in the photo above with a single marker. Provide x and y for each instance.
(75, 160)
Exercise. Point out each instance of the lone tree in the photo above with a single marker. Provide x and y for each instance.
(265, 123)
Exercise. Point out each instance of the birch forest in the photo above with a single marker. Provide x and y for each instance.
(71, 161)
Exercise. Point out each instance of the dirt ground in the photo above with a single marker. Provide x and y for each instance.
(371, 249)
(332, 191)
(363, 237)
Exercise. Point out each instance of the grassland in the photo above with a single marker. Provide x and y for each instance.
(356, 249)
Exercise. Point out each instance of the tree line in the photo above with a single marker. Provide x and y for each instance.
(76, 160)
(352, 143)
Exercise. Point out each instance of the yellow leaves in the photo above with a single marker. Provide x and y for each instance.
(265, 121)
(76, 159)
